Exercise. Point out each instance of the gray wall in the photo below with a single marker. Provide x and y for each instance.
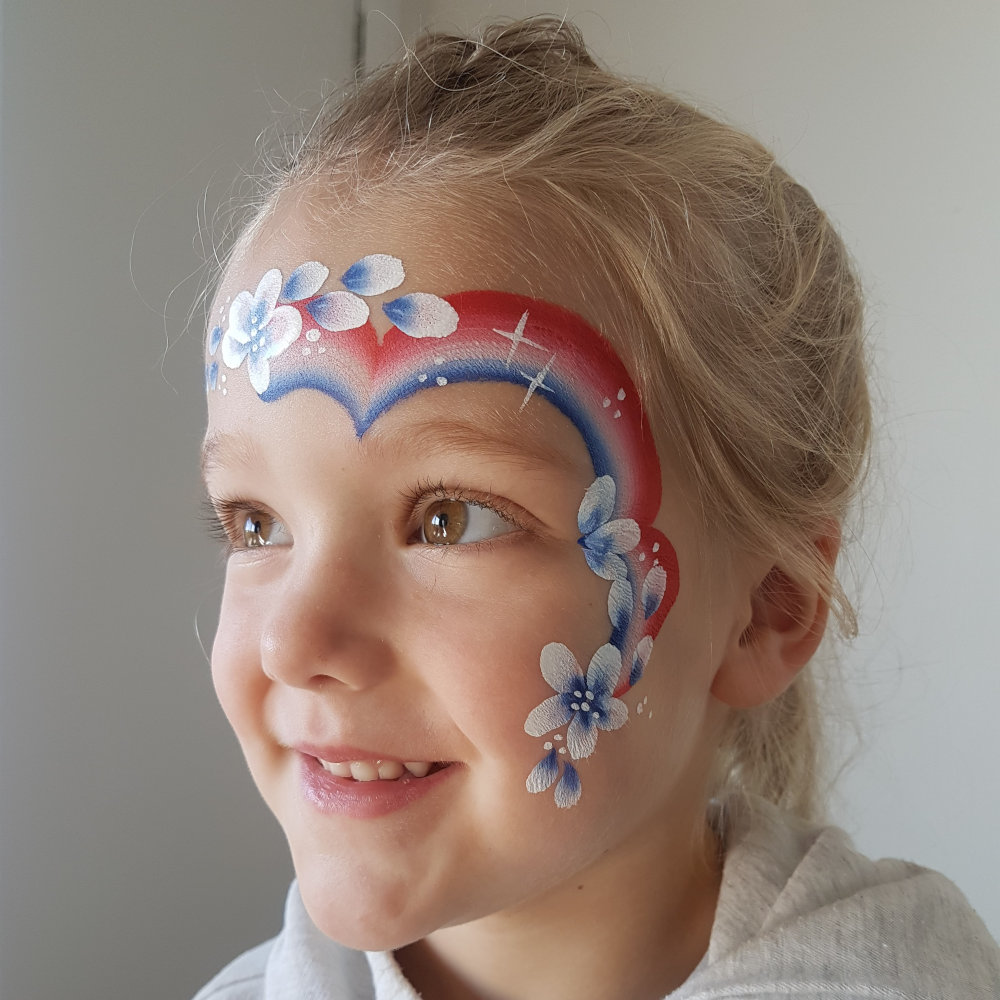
(134, 856)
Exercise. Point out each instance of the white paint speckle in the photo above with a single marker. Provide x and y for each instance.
(656, 546)
(322, 350)
(439, 360)
(618, 413)
(642, 557)
(223, 377)
(557, 737)
(312, 335)
(306, 351)
(650, 715)
(562, 749)
(441, 380)
(546, 745)
(607, 402)
(638, 709)
(422, 377)
(621, 394)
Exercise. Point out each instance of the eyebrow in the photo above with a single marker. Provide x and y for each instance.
(507, 440)
(221, 450)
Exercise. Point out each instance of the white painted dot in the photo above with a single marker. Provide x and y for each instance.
(621, 394)
(597, 714)
(224, 378)
(618, 413)
(562, 749)
(607, 402)
(656, 562)
(557, 737)
(642, 557)
(422, 377)
(439, 360)
(312, 335)
(306, 350)
(322, 350)
(585, 707)
(656, 546)
(638, 709)
(650, 715)
(575, 705)
(441, 380)
(590, 695)
(577, 694)
(546, 745)
(225, 392)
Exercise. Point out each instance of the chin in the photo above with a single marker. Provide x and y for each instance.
(363, 912)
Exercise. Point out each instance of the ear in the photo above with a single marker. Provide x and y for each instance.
(787, 619)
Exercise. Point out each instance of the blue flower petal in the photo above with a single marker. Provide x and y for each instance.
(653, 589)
(374, 275)
(568, 790)
(422, 315)
(211, 376)
(306, 280)
(215, 338)
(543, 773)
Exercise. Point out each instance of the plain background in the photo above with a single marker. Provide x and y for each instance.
(135, 858)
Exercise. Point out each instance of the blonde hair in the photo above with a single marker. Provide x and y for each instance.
(741, 316)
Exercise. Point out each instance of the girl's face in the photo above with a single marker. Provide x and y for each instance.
(416, 647)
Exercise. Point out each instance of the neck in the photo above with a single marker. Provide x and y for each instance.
(634, 924)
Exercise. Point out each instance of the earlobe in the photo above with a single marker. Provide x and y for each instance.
(783, 628)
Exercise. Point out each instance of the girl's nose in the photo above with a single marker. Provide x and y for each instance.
(329, 624)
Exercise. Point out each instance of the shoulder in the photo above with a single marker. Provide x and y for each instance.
(242, 979)
(799, 906)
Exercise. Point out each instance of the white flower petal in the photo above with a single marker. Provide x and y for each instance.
(614, 716)
(568, 790)
(605, 668)
(623, 534)
(653, 589)
(234, 350)
(283, 330)
(619, 602)
(543, 773)
(597, 506)
(559, 666)
(643, 649)
(259, 370)
(581, 739)
(305, 281)
(239, 317)
(269, 288)
(421, 314)
(374, 275)
(551, 714)
(339, 311)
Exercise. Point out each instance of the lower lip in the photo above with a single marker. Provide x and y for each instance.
(363, 799)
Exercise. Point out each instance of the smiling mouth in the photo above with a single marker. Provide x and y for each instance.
(380, 770)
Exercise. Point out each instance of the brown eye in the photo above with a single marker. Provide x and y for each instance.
(445, 522)
(257, 530)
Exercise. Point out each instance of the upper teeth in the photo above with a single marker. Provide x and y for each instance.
(373, 770)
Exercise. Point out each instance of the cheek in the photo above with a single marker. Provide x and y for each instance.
(484, 656)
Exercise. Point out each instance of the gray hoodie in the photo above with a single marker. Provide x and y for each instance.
(800, 914)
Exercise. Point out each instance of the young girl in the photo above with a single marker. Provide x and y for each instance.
(536, 400)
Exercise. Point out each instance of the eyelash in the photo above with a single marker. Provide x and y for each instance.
(427, 491)
(224, 516)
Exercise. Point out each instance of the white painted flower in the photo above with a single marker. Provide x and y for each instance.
(585, 701)
(259, 330)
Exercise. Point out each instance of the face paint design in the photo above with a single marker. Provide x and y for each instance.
(487, 336)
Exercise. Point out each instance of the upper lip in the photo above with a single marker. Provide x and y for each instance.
(343, 753)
